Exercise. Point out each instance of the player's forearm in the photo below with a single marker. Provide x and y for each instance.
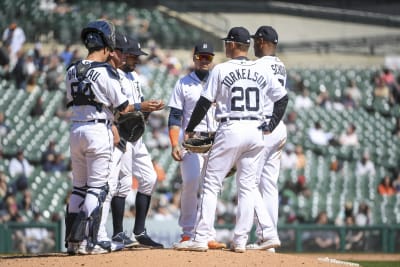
(174, 135)
(174, 124)
(278, 112)
(200, 110)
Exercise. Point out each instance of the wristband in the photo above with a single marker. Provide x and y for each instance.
(137, 106)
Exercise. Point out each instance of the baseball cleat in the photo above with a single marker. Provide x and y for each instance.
(123, 239)
(145, 241)
(256, 246)
(191, 245)
(185, 238)
(253, 246)
(271, 243)
(216, 245)
(73, 248)
(101, 247)
(237, 248)
(97, 249)
(115, 246)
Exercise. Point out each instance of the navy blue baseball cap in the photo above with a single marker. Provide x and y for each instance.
(121, 41)
(239, 35)
(134, 48)
(204, 48)
(267, 33)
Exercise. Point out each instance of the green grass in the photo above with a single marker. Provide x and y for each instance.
(379, 263)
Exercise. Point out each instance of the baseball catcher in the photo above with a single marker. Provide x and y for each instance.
(198, 144)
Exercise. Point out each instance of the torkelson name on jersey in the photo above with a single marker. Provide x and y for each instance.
(244, 74)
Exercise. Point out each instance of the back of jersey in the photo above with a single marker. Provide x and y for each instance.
(276, 66)
(238, 86)
(92, 94)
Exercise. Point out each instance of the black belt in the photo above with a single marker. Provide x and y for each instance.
(96, 121)
(100, 121)
(206, 134)
(238, 119)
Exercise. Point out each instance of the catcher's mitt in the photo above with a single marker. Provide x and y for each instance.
(198, 144)
(131, 126)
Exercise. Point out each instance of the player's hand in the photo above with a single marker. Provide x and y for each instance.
(160, 105)
(266, 132)
(116, 137)
(176, 153)
(188, 135)
(152, 105)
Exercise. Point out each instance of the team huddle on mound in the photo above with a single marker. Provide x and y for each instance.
(222, 118)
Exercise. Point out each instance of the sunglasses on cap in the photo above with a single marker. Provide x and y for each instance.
(203, 57)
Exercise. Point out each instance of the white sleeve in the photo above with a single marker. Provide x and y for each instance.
(211, 87)
(115, 92)
(275, 89)
(175, 100)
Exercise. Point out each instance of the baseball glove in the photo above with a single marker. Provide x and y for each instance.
(131, 126)
(198, 144)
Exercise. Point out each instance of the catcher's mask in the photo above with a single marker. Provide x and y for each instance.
(98, 34)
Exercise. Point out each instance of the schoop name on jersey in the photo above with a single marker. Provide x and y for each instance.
(278, 69)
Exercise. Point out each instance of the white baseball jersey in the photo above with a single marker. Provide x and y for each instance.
(91, 138)
(91, 143)
(239, 87)
(278, 69)
(106, 90)
(184, 97)
(243, 89)
(131, 87)
(270, 163)
(136, 160)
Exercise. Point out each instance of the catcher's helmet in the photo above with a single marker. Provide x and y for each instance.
(98, 34)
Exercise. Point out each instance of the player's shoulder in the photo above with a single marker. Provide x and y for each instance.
(191, 76)
(84, 66)
(270, 59)
(120, 72)
(240, 62)
(186, 79)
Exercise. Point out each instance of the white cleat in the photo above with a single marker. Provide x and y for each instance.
(98, 250)
(116, 246)
(271, 243)
(238, 249)
(191, 245)
(253, 246)
(256, 246)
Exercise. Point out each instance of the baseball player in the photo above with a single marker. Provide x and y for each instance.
(93, 88)
(238, 87)
(182, 101)
(265, 43)
(136, 160)
(119, 188)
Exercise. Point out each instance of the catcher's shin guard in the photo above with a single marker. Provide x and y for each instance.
(94, 218)
(78, 228)
(69, 221)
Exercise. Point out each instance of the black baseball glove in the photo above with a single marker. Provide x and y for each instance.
(131, 126)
